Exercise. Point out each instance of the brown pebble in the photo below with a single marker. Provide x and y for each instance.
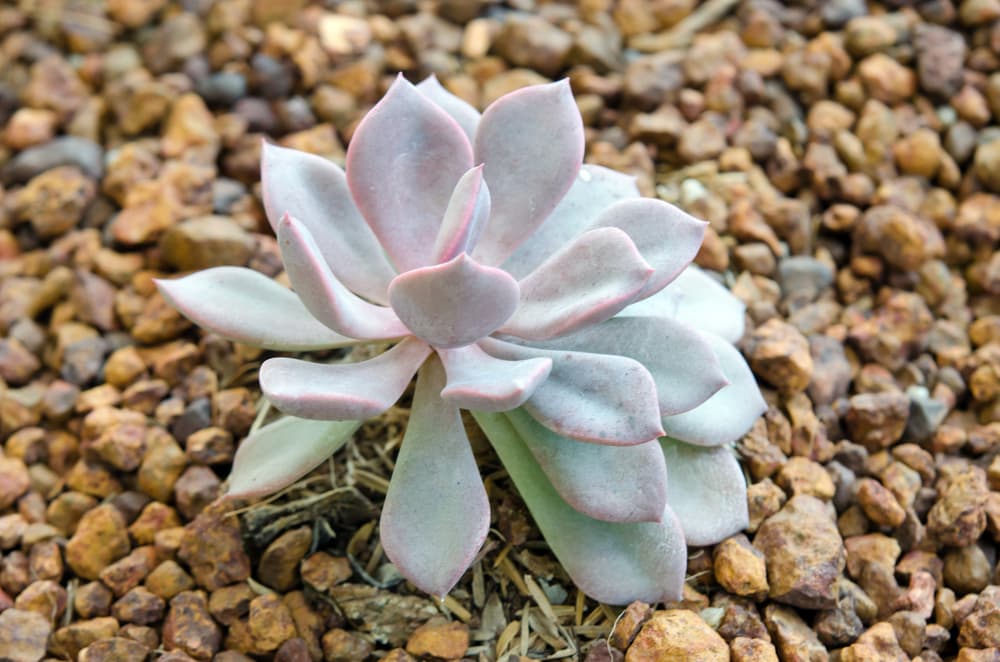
(270, 622)
(100, 539)
(114, 649)
(343, 646)
(213, 549)
(93, 599)
(279, 564)
(73, 638)
(740, 568)
(744, 649)
(879, 503)
(23, 635)
(676, 634)
(190, 628)
(139, 606)
(779, 353)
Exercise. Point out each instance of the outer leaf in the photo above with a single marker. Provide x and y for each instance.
(242, 305)
(467, 213)
(682, 361)
(315, 191)
(343, 391)
(402, 164)
(436, 514)
(585, 283)
(592, 397)
(698, 300)
(478, 381)
(727, 415)
(455, 303)
(281, 452)
(667, 237)
(611, 562)
(531, 141)
(325, 296)
(460, 111)
(593, 190)
(706, 490)
(608, 483)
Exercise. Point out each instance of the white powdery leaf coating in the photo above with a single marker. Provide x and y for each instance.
(682, 361)
(706, 490)
(531, 142)
(665, 236)
(592, 397)
(315, 191)
(612, 562)
(281, 452)
(343, 391)
(481, 382)
(460, 110)
(242, 305)
(455, 303)
(583, 284)
(698, 300)
(594, 189)
(727, 415)
(325, 296)
(436, 513)
(609, 483)
(467, 213)
(402, 165)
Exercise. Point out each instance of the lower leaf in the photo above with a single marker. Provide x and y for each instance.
(611, 562)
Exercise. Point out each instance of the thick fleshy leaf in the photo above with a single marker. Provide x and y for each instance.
(455, 303)
(479, 381)
(594, 189)
(242, 305)
(531, 141)
(706, 490)
(600, 398)
(325, 296)
(608, 483)
(436, 514)
(460, 110)
(342, 391)
(467, 213)
(612, 562)
(585, 283)
(278, 454)
(727, 415)
(667, 237)
(683, 362)
(698, 300)
(315, 191)
(403, 162)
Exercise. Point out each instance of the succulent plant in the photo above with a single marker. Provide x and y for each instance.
(545, 296)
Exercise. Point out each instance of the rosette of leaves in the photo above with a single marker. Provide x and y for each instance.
(545, 296)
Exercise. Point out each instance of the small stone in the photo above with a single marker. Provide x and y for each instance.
(210, 446)
(887, 80)
(987, 164)
(966, 569)
(14, 481)
(190, 131)
(139, 606)
(677, 634)
(879, 503)
(212, 547)
(279, 564)
(196, 488)
(129, 571)
(793, 638)
(114, 649)
(73, 638)
(343, 646)
(294, 650)
(940, 59)
(800, 475)
(168, 579)
(628, 624)
(54, 202)
(804, 553)
(343, 35)
(958, 518)
(321, 571)
(739, 567)
(230, 603)
(437, 638)
(162, 465)
(744, 649)
(154, 517)
(701, 141)
(876, 644)
(84, 154)
(23, 635)
(779, 353)
(204, 242)
(43, 597)
(28, 127)
(919, 153)
(903, 240)
(100, 539)
(981, 628)
(17, 363)
(92, 600)
(189, 626)
(532, 42)
(877, 420)
(270, 622)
